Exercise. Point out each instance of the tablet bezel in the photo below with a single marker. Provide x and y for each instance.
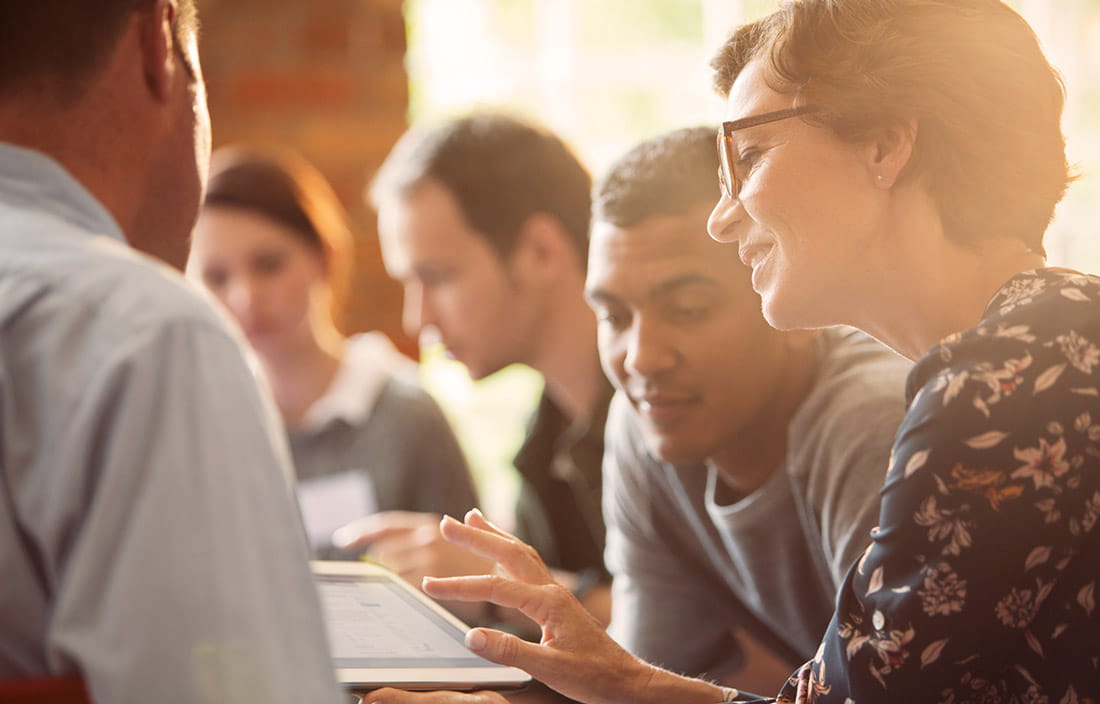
(491, 676)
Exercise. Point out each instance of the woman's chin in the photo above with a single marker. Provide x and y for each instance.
(788, 313)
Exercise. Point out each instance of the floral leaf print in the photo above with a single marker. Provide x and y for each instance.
(997, 496)
(1043, 464)
(876, 581)
(890, 647)
(1017, 608)
(954, 384)
(988, 521)
(1083, 422)
(1075, 294)
(942, 593)
(1048, 507)
(863, 558)
(944, 524)
(1015, 332)
(1092, 512)
(916, 462)
(1081, 353)
(855, 644)
(970, 690)
(986, 440)
(815, 686)
(989, 483)
(1026, 675)
(932, 653)
(1001, 382)
(1037, 557)
(1019, 292)
(1086, 598)
(1048, 378)
(1033, 643)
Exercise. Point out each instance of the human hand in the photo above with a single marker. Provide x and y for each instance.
(397, 696)
(575, 655)
(535, 694)
(409, 543)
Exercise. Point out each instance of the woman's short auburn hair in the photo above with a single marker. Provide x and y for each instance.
(971, 75)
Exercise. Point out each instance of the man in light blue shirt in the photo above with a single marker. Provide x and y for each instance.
(146, 527)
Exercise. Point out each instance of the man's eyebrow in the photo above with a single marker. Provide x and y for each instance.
(677, 282)
(599, 295)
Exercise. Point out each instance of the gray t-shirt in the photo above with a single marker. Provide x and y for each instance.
(688, 571)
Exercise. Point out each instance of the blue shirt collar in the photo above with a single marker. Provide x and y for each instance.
(32, 179)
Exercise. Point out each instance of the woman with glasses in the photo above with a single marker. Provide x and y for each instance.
(893, 164)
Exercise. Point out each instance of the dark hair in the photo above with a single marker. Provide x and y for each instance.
(286, 189)
(54, 47)
(970, 73)
(666, 175)
(500, 170)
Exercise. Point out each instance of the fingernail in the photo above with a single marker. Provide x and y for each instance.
(341, 537)
(476, 640)
(447, 519)
(474, 512)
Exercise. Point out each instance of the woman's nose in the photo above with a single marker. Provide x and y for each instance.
(721, 225)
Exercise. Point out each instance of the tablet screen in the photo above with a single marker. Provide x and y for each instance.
(375, 623)
(384, 633)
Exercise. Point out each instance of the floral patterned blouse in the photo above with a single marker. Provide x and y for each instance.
(980, 582)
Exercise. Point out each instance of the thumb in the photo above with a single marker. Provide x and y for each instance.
(507, 649)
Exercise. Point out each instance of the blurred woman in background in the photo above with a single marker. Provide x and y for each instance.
(272, 244)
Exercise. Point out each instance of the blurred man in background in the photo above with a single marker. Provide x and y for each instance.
(484, 220)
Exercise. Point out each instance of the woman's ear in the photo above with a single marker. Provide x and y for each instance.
(889, 151)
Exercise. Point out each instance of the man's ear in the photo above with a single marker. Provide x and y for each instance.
(543, 249)
(889, 151)
(158, 55)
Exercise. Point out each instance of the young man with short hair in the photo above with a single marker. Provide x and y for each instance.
(484, 220)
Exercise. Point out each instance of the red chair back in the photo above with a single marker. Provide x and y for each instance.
(53, 690)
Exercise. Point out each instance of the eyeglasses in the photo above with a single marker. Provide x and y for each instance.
(727, 158)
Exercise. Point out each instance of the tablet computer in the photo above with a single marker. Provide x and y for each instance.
(383, 632)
